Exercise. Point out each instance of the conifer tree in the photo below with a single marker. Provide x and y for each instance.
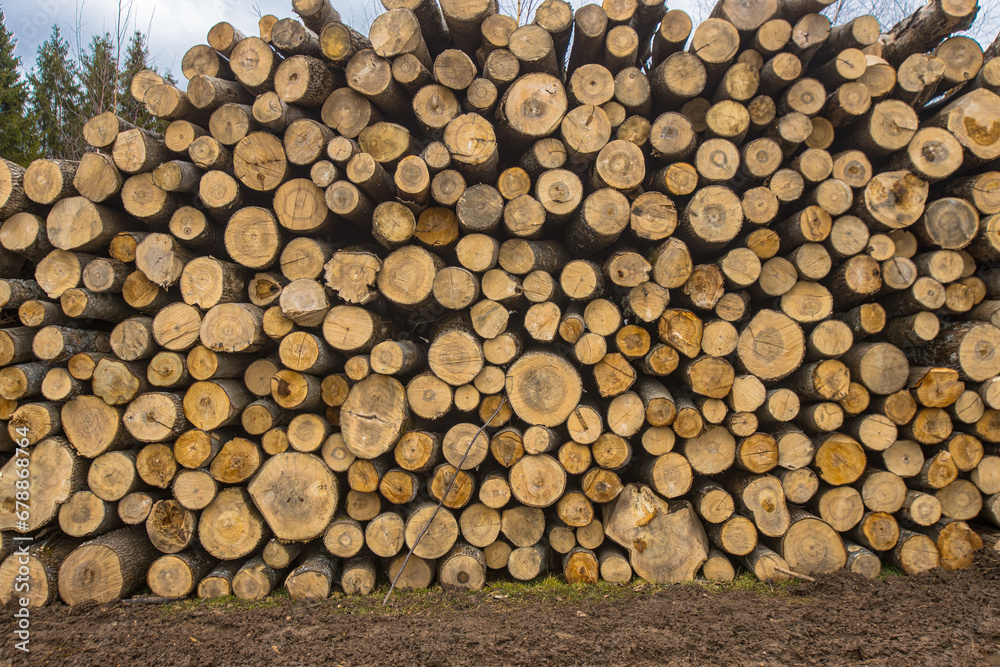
(55, 99)
(17, 137)
(99, 76)
(106, 76)
(135, 60)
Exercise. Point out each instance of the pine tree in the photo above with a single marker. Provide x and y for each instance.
(136, 59)
(106, 78)
(98, 76)
(55, 99)
(17, 137)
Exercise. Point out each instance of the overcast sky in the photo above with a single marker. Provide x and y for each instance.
(173, 25)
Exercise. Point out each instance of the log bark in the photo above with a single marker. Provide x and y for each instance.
(106, 568)
(178, 575)
(41, 561)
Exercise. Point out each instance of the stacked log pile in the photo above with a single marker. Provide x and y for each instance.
(624, 294)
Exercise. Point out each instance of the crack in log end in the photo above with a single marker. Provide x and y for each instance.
(369, 417)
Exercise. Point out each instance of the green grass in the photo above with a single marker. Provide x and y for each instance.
(890, 571)
(196, 604)
(228, 602)
(745, 581)
(556, 589)
(551, 589)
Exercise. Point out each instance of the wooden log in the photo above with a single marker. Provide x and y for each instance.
(50, 456)
(811, 546)
(101, 130)
(141, 82)
(134, 508)
(923, 29)
(629, 519)
(178, 575)
(960, 340)
(194, 489)
(180, 135)
(761, 496)
(107, 568)
(46, 181)
(32, 571)
(915, 553)
(537, 480)
(462, 568)
(368, 430)
(254, 63)
(155, 416)
(255, 580)
(167, 369)
(440, 534)
(231, 527)
(523, 526)
(97, 177)
(956, 543)
(784, 338)
(218, 581)
(545, 408)
(156, 465)
(314, 577)
(877, 531)
(171, 526)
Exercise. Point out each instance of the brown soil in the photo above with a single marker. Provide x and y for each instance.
(933, 619)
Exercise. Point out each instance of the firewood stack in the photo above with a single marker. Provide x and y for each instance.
(631, 295)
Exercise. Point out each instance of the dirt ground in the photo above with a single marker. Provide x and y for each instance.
(933, 619)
